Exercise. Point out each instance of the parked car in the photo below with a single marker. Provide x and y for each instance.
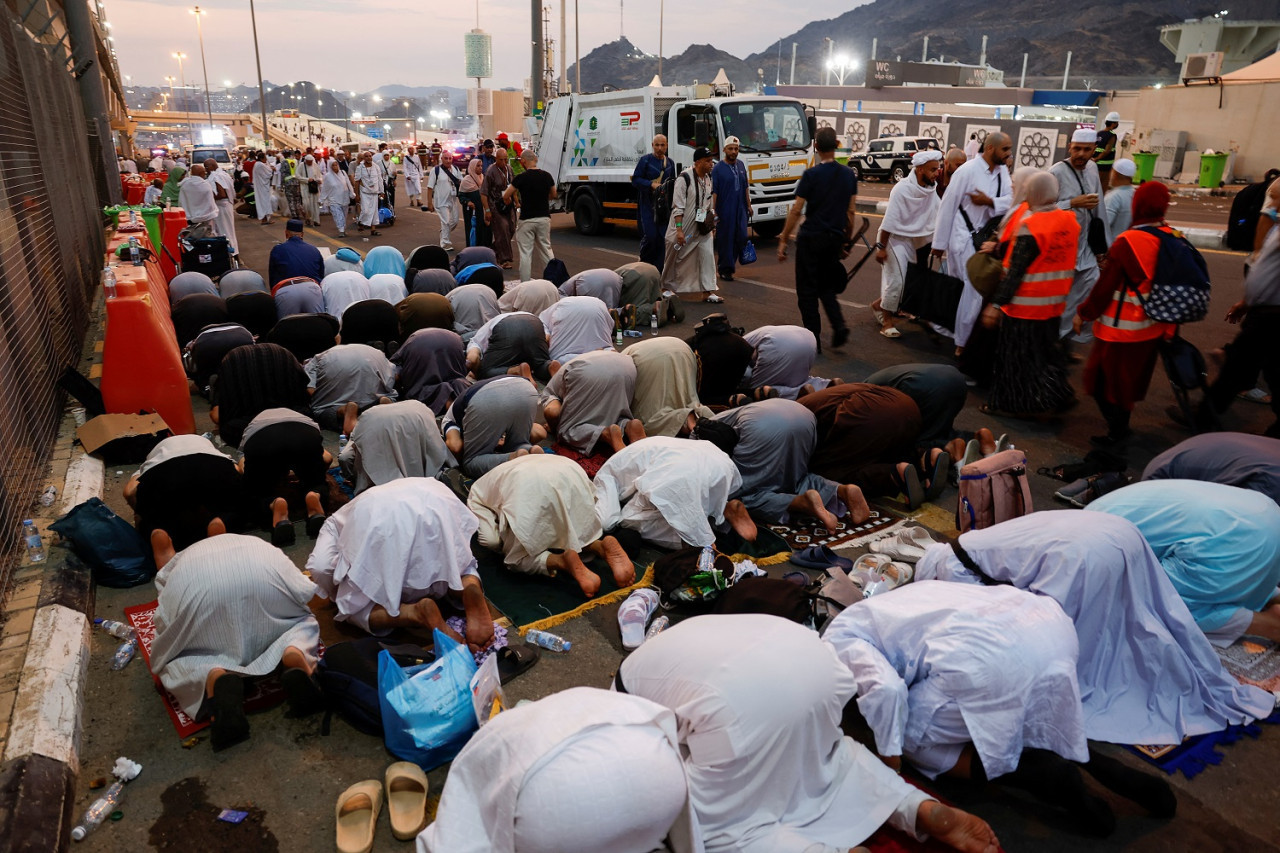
(889, 157)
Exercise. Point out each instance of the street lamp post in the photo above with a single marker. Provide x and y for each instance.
(841, 65)
(262, 95)
(186, 108)
(831, 46)
(208, 105)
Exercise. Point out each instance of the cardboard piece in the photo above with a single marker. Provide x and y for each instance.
(122, 436)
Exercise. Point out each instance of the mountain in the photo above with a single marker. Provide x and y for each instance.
(621, 65)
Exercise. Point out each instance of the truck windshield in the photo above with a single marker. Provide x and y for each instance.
(766, 125)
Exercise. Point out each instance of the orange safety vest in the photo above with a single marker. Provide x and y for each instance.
(1043, 291)
(1125, 320)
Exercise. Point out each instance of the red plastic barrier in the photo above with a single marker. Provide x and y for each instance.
(171, 222)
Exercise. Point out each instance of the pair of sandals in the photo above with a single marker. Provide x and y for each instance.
(283, 534)
(634, 615)
(356, 814)
(882, 566)
(906, 546)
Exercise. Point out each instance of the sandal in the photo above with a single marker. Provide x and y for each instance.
(282, 535)
(938, 478)
(515, 660)
(820, 557)
(357, 816)
(314, 523)
(230, 726)
(714, 299)
(407, 788)
(910, 486)
(891, 332)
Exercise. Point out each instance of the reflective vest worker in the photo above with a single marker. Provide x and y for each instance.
(1125, 320)
(1042, 293)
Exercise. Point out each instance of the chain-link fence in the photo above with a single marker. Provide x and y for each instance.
(51, 246)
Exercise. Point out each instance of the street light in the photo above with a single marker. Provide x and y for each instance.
(262, 95)
(208, 105)
(842, 65)
(179, 55)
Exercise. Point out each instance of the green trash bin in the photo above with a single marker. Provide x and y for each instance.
(151, 219)
(112, 213)
(1211, 168)
(1146, 163)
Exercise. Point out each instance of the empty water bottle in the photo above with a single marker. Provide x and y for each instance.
(342, 442)
(119, 630)
(653, 323)
(109, 282)
(48, 496)
(547, 640)
(99, 811)
(124, 653)
(707, 559)
(656, 627)
(617, 337)
(31, 535)
(135, 252)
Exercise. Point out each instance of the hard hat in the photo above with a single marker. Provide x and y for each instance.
(1112, 116)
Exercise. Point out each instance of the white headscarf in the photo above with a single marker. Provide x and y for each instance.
(913, 209)
(922, 157)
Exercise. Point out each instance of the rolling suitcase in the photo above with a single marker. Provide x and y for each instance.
(209, 255)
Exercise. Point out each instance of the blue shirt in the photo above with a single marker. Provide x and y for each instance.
(294, 257)
(826, 189)
(650, 167)
(728, 181)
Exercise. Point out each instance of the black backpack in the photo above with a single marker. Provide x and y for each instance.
(1180, 287)
(348, 677)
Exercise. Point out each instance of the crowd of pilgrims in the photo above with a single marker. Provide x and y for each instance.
(504, 415)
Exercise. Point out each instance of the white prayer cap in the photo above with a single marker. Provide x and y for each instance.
(1126, 167)
(1111, 116)
(310, 159)
(1084, 134)
(922, 157)
(732, 140)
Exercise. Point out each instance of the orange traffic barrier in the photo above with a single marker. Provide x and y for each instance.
(172, 222)
(141, 364)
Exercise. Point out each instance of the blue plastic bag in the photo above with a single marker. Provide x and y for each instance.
(427, 714)
(748, 254)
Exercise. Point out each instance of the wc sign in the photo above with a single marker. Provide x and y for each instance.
(630, 119)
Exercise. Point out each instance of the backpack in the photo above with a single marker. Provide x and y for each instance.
(993, 490)
(661, 204)
(1180, 286)
(680, 583)
(348, 677)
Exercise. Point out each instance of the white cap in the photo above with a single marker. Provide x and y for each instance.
(732, 140)
(1125, 167)
(1111, 116)
(1084, 134)
(922, 157)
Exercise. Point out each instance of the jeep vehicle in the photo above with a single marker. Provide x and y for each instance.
(890, 156)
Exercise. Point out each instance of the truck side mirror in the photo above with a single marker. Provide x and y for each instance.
(813, 126)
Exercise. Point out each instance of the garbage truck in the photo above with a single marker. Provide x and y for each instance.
(590, 144)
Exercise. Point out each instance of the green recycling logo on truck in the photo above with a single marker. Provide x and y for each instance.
(584, 144)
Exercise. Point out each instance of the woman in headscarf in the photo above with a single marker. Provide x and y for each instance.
(1126, 340)
(384, 259)
(387, 287)
(1030, 373)
(309, 177)
(169, 194)
(534, 296)
(907, 227)
(666, 396)
(428, 257)
(434, 280)
(424, 311)
(393, 441)
(472, 210)
(473, 256)
(336, 193)
(473, 306)
(783, 357)
(292, 187)
(432, 366)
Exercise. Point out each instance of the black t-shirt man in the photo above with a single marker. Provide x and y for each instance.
(826, 189)
(534, 186)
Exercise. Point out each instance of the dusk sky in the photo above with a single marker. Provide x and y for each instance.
(415, 43)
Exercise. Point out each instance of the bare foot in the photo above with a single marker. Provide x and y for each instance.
(479, 628)
(570, 562)
(293, 658)
(851, 495)
(959, 352)
(553, 367)
(536, 450)
(956, 448)
(955, 828)
(635, 431)
(216, 527)
(740, 520)
(279, 511)
(811, 503)
(805, 390)
(527, 373)
(537, 433)
(385, 401)
(624, 571)
(986, 441)
(426, 614)
(314, 507)
(612, 436)
(161, 548)
(349, 413)
(524, 451)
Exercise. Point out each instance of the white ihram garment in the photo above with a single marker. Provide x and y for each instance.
(912, 216)
(444, 197)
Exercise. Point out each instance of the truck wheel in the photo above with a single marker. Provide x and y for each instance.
(899, 172)
(768, 230)
(588, 215)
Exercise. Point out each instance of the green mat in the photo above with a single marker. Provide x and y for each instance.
(768, 548)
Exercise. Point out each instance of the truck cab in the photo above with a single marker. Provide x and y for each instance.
(590, 144)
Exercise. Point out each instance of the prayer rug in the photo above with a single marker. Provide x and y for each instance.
(1196, 753)
(1253, 660)
(260, 694)
(804, 532)
(768, 548)
(591, 464)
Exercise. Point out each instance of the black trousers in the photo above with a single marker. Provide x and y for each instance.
(820, 277)
(1256, 349)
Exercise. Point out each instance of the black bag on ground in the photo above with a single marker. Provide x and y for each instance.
(110, 545)
(772, 596)
(931, 295)
(348, 677)
(680, 583)
(209, 255)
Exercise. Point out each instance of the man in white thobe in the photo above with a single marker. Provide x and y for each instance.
(196, 197)
(368, 178)
(979, 190)
(758, 701)
(224, 193)
(908, 225)
(442, 196)
(309, 170)
(263, 199)
(413, 178)
(1080, 191)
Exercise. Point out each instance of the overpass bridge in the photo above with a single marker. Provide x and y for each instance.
(243, 125)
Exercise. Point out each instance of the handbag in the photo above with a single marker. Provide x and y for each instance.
(114, 551)
(985, 272)
(989, 230)
(707, 224)
(427, 714)
(313, 186)
(931, 295)
(1097, 234)
(748, 255)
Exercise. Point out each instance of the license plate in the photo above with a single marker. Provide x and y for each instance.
(781, 209)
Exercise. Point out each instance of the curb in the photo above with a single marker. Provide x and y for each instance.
(41, 762)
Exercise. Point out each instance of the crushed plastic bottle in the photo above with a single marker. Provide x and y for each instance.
(124, 654)
(119, 630)
(547, 640)
(99, 811)
(31, 536)
(657, 626)
(707, 559)
(48, 496)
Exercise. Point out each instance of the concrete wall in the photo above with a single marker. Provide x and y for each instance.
(1244, 123)
(508, 115)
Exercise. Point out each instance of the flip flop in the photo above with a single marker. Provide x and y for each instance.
(820, 557)
(714, 299)
(302, 693)
(314, 523)
(910, 484)
(516, 660)
(891, 332)
(899, 548)
(230, 726)
(356, 815)
(798, 578)
(407, 788)
(282, 535)
(938, 478)
(634, 615)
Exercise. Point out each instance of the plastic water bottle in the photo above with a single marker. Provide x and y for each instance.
(48, 496)
(124, 654)
(707, 559)
(99, 811)
(133, 219)
(35, 547)
(342, 442)
(653, 323)
(547, 640)
(135, 252)
(657, 626)
(109, 282)
(617, 337)
(119, 630)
